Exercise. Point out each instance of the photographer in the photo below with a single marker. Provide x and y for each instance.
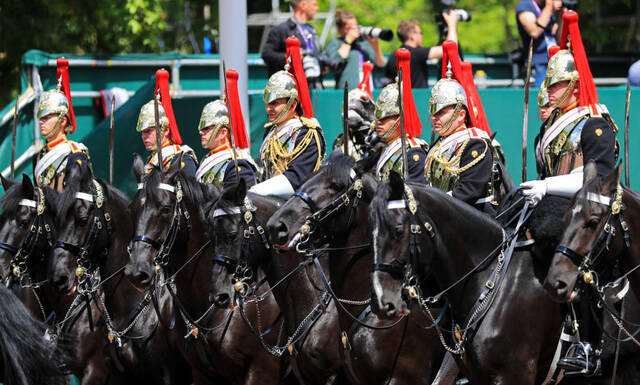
(410, 34)
(274, 50)
(536, 19)
(352, 49)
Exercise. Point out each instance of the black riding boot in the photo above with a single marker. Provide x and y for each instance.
(579, 358)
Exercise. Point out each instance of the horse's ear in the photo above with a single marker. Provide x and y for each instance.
(6, 182)
(27, 186)
(175, 167)
(590, 172)
(73, 172)
(397, 185)
(366, 164)
(138, 167)
(370, 184)
(612, 180)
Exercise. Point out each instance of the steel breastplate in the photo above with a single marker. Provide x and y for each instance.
(394, 163)
(564, 153)
(215, 175)
(438, 176)
(270, 169)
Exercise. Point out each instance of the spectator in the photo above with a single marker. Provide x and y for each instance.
(536, 20)
(410, 35)
(352, 49)
(275, 48)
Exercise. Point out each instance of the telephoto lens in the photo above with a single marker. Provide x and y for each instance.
(376, 33)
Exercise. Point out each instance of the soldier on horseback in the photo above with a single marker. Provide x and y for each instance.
(294, 144)
(463, 161)
(172, 148)
(578, 130)
(387, 126)
(217, 167)
(56, 121)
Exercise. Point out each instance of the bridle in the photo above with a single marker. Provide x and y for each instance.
(101, 219)
(243, 275)
(161, 259)
(349, 199)
(603, 241)
(21, 255)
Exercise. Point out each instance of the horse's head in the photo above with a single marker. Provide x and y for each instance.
(392, 215)
(589, 229)
(360, 115)
(25, 227)
(317, 208)
(83, 229)
(166, 208)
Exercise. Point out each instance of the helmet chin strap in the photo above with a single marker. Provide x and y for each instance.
(565, 94)
(212, 137)
(278, 119)
(447, 129)
(391, 130)
(54, 131)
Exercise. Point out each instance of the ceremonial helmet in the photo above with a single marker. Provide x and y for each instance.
(214, 114)
(543, 96)
(561, 67)
(387, 103)
(280, 85)
(147, 117)
(58, 101)
(447, 92)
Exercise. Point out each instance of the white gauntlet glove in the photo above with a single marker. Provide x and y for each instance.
(534, 190)
(562, 185)
(277, 186)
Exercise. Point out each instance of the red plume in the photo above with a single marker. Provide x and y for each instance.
(235, 111)
(63, 71)
(293, 51)
(553, 50)
(365, 84)
(465, 78)
(411, 118)
(162, 86)
(588, 94)
(478, 109)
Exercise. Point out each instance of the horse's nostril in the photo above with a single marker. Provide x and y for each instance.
(142, 277)
(561, 285)
(282, 232)
(221, 299)
(61, 282)
(390, 309)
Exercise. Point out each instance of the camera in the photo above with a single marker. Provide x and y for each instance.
(313, 64)
(376, 33)
(570, 4)
(463, 15)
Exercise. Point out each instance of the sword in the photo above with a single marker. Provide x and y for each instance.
(403, 138)
(525, 115)
(345, 119)
(158, 138)
(14, 133)
(113, 107)
(627, 106)
(228, 102)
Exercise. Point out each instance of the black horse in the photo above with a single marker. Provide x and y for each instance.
(337, 198)
(171, 240)
(309, 316)
(26, 358)
(94, 230)
(506, 327)
(599, 248)
(27, 233)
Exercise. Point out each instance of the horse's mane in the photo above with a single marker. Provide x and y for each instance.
(10, 199)
(339, 168)
(378, 212)
(27, 358)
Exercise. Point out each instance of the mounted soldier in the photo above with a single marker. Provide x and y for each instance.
(294, 144)
(387, 126)
(463, 161)
(578, 130)
(57, 120)
(217, 167)
(360, 116)
(172, 148)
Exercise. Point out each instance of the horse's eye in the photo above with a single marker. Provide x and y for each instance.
(229, 236)
(334, 186)
(399, 230)
(592, 223)
(82, 221)
(23, 224)
(165, 209)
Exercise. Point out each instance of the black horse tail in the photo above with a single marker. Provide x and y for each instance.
(27, 358)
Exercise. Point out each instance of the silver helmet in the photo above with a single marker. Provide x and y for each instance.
(147, 117)
(216, 115)
(280, 85)
(387, 103)
(561, 67)
(446, 92)
(53, 102)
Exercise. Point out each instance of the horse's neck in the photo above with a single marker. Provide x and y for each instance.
(349, 269)
(630, 256)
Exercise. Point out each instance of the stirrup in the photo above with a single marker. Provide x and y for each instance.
(581, 360)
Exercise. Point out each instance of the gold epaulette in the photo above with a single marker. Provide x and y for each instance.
(308, 122)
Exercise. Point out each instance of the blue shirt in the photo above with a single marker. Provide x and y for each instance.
(540, 54)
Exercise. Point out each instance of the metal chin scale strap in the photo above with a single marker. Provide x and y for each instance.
(161, 259)
(85, 269)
